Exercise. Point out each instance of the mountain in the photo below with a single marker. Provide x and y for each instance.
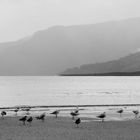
(129, 65)
(51, 51)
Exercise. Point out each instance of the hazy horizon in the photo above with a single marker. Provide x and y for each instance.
(22, 18)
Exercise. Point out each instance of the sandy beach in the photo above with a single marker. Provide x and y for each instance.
(63, 128)
(91, 96)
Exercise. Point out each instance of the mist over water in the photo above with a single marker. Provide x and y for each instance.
(53, 90)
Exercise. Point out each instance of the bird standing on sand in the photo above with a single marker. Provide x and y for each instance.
(23, 119)
(120, 112)
(76, 110)
(3, 113)
(102, 116)
(77, 122)
(136, 112)
(41, 117)
(55, 113)
(16, 110)
(27, 110)
(29, 120)
(73, 114)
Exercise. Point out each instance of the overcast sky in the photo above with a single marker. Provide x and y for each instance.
(20, 18)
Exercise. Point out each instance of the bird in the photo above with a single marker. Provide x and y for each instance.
(136, 112)
(41, 117)
(120, 111)
(23, 119)
(56, 112)
(73, 114)
(76, 111)
(16, 110)
(77, 122)
(102, 116)
(27, 110)
(29, 120)
(3, 113)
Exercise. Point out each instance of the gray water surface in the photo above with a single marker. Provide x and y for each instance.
(55, 90)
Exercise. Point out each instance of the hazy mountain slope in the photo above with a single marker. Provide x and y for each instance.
(51, 51)
(130, 63)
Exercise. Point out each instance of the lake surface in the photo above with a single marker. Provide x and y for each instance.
(55, 90)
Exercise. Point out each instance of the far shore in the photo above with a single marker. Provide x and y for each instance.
(135, 73)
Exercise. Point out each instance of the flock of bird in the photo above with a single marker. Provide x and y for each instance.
(74, 114)
(41, 117)
(103, 115)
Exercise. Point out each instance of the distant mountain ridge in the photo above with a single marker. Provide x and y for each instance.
(129, 65)
(51, 51)
(137, 73)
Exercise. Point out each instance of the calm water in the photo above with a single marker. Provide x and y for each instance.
(68, 90)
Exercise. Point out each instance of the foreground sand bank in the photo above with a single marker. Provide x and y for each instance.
(63, 128)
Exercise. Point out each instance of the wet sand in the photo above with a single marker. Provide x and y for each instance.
(63, 128)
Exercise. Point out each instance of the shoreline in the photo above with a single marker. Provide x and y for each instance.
(69, 106)
(90, 113)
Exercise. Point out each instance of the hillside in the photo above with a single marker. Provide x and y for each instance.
(129, 65)
(51, 51)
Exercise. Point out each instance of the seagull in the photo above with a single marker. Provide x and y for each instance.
(136, 112)
(77, 122)
(16, 110)
(102, 116)
(41, 117)
(76, 111)
(27, 110)
(120, 111)
(23, 119)
(29, 120)
(73, 114)
(3, 113)
(55, 113)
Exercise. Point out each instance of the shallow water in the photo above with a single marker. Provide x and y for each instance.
(55, 90)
